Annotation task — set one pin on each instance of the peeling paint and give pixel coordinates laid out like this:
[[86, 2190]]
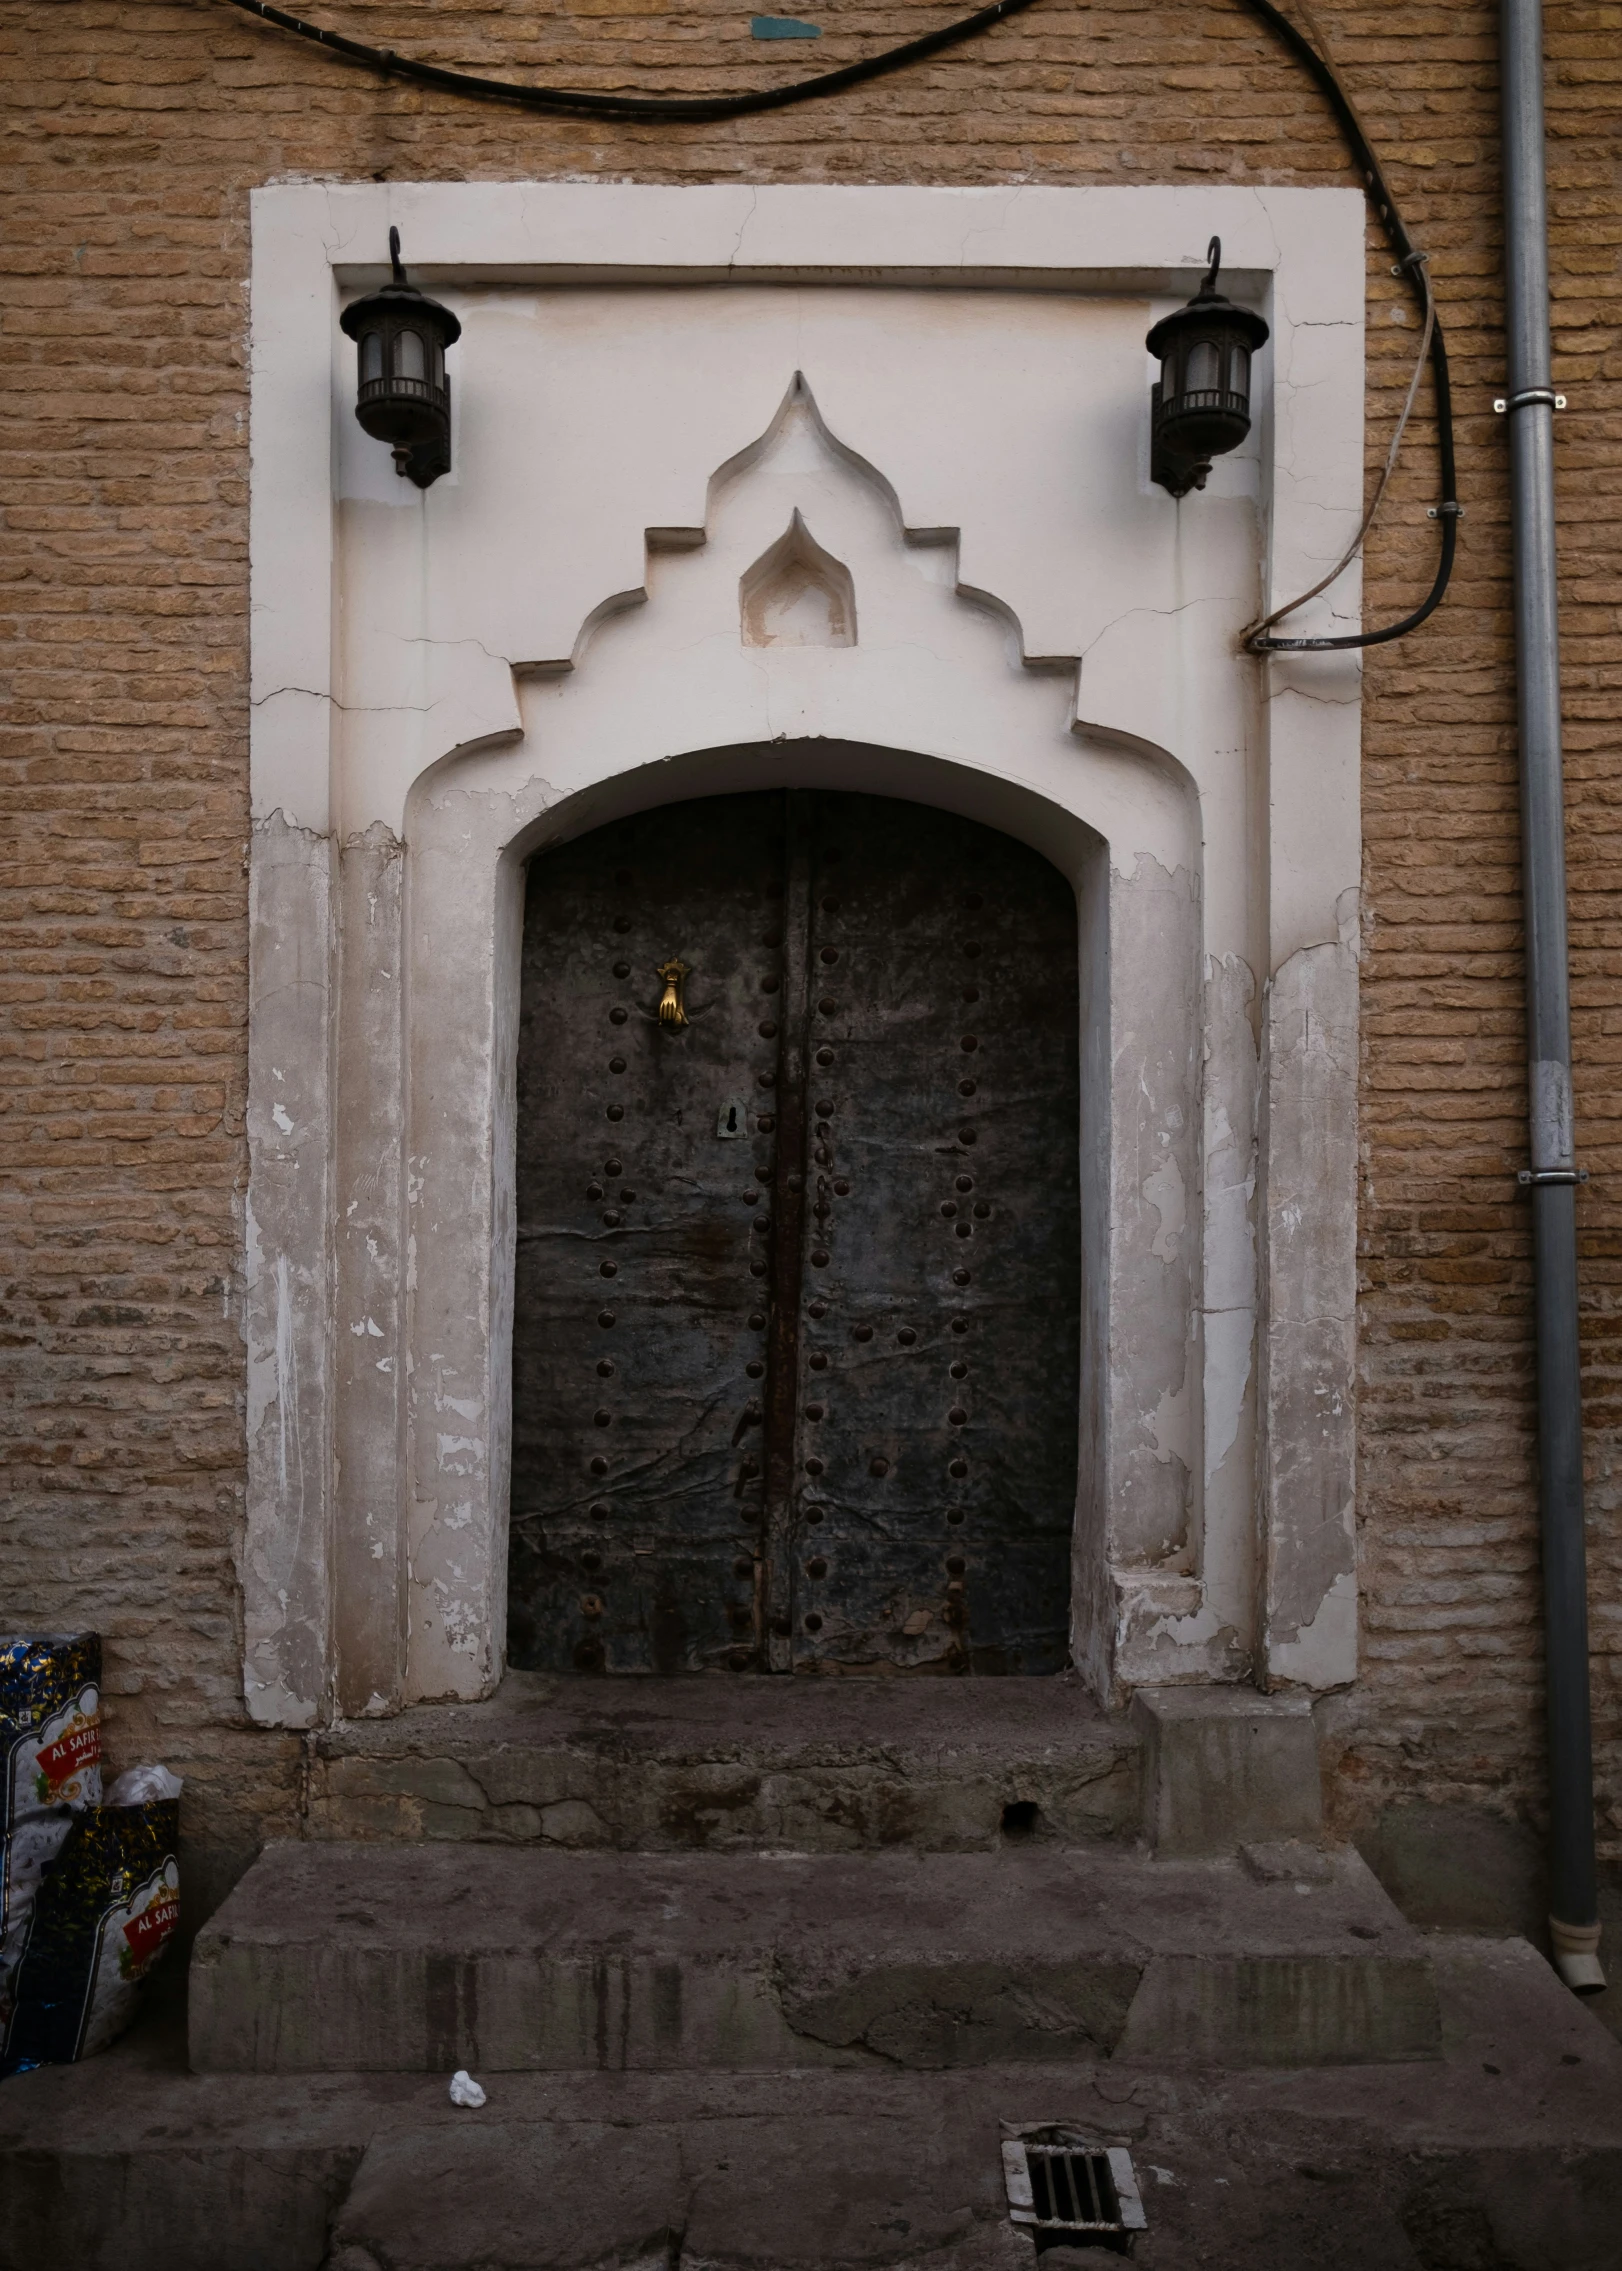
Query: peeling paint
[[288, 1439], [286, 1280], [1328, 1643], [1165, 1192], [1168, 1424], [1230, 1341], [1309, 1465]]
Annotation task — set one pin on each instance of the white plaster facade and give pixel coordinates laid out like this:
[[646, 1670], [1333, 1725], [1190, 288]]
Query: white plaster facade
[[949, 388]]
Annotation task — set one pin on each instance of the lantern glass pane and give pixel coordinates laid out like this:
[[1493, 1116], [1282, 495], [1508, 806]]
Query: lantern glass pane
[[1238, 367], [408, 357], [436, 357], [371, 357], [1204, 372]]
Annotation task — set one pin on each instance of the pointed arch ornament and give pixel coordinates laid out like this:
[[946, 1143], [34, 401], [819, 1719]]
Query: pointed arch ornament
[[797, 595]]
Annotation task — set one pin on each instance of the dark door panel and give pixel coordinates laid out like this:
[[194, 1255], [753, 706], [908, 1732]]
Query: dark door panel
[[802, 1396], [936, 1490], [640, 1338]]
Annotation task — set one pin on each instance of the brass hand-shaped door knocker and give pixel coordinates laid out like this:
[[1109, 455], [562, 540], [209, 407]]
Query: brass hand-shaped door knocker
[[672, 1013]]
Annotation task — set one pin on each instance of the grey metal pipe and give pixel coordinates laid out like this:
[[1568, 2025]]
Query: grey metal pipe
[[1529, 405]]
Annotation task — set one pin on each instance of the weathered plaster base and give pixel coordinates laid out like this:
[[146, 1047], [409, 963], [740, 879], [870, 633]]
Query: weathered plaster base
[[287, 1299]]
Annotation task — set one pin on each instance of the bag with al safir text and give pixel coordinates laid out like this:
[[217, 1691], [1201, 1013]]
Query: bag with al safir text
[[50, 1769], [102, 1916]]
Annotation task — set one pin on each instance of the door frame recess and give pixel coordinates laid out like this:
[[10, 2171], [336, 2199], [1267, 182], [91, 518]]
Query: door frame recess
[[1039, 639]]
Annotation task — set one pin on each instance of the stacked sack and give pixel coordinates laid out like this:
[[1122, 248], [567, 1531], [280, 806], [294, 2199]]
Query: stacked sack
[[89, 1893], [50, 1752]]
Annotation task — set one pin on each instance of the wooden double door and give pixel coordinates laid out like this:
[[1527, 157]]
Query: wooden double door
[[798, 1278]]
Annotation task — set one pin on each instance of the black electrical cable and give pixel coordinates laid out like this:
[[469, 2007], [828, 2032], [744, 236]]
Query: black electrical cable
[[570, 102], [1448, 511], [697, 109]]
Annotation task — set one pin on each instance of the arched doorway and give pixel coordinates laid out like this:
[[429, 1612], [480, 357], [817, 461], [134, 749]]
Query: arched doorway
[[796, 1336]]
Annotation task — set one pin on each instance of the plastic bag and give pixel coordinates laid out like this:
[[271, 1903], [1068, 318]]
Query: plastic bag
[[102, 1918], [141, 1785], [50, 1767]]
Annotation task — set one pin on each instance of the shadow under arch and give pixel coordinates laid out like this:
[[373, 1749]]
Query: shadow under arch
[[1062, 837]]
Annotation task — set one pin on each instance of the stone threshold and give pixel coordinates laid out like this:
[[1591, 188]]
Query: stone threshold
[[736, 1764]]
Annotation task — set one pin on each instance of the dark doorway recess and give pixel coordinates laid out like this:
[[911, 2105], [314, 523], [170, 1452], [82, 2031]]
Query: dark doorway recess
[[796, 1338]]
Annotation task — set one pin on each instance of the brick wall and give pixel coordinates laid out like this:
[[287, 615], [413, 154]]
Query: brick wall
[[134, 130]]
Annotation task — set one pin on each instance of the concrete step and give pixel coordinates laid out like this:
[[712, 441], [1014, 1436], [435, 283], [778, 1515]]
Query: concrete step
[[809, 1765], [379, 1958], [1507, 2153]]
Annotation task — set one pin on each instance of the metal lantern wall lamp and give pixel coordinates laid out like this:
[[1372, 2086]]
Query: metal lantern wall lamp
[[404, 397], [1201, 400]]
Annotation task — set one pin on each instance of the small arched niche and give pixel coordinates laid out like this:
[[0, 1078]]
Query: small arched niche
[[797, 595]]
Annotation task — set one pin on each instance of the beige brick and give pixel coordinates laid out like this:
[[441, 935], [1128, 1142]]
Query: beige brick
[[130, 136]]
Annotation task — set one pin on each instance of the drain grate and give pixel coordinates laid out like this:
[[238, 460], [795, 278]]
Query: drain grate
[[1062, 2189]]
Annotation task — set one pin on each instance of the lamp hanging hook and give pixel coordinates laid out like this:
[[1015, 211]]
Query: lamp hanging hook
[[1200, 404], [404, 394]]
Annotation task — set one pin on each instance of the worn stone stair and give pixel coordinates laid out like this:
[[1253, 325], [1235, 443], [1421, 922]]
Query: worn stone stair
[[333, 1957], [1506, 2153], [753, 1972]]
